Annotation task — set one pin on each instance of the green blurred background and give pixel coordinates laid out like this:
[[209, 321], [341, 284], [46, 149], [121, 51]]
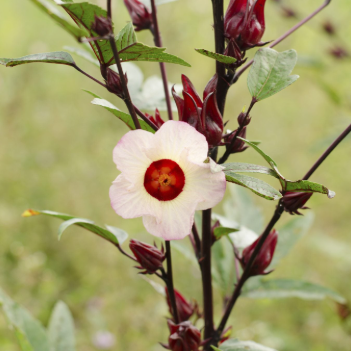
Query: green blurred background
[[56, 152]]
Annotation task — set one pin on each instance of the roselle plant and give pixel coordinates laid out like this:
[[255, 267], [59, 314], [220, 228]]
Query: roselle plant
[[172, 169]]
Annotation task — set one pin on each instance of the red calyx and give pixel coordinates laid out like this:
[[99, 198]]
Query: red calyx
[[239, 145], [157, 120], [294, 201], [140, 15], [149, 257], [184, 308], [183, 337], [203, 116], [244, 22], [102, 26], [264, 257], [113, 83]]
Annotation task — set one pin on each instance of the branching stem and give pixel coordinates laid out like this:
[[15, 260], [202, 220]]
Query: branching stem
[[238, 131]]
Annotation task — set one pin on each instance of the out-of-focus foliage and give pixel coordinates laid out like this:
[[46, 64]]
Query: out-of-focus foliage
[[56, 153]]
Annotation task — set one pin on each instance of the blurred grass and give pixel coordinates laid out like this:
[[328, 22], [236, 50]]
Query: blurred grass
[[56, 154]]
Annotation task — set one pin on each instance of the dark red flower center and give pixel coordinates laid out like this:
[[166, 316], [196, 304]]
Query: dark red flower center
[[164, 180]]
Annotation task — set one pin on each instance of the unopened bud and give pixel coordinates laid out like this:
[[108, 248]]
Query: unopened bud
[[264, 257], [339, 52], [140, 15], [329, 28], [211, 86], [102, 26], [288, 12], [244, 22], [294, 201], [149, 257], [244, 120], [114, 84], [239, 145], [183, 337], [185, 308]]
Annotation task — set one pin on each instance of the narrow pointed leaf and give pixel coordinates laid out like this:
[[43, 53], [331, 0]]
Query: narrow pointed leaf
[[124, 117], [237, 345], [218, 57], [238, 167], [57, 16], [130, 50], [270, 72], [257, 186], [80, 222], [59, 57], [223, 231], [61, 329], [30, 333], [285, 288], [288, 185]]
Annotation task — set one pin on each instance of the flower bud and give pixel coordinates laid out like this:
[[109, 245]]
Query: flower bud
[[244, 23], [157, 120], [113, 83], [102, 26], [339, 52], [183, 337], [293, 201], [140, 15], [149, 257], [184, 308], [243, 120], [329, 28], [203, 116], [239, 145], [264, 257]]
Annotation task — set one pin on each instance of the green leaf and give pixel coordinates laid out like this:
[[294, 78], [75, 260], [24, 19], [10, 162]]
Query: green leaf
[[80, 222], [289, 234], [286, 288], [236, 345], [58, 57], [238, 167], [223, 231], [61, 329], [288, 185], [124, 117], [258, 186], [30, 333], [306, 186], [218, 57], [223, 266], [56, 15], [141, 52], [130, 50], [270, 72]]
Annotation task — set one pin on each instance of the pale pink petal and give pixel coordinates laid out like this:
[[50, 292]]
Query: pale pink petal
[[131, 201], [173, 138], [176, 220], [129, 154], [206, 183]]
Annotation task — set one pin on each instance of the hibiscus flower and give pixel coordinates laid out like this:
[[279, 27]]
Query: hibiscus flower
[[165, 179]]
